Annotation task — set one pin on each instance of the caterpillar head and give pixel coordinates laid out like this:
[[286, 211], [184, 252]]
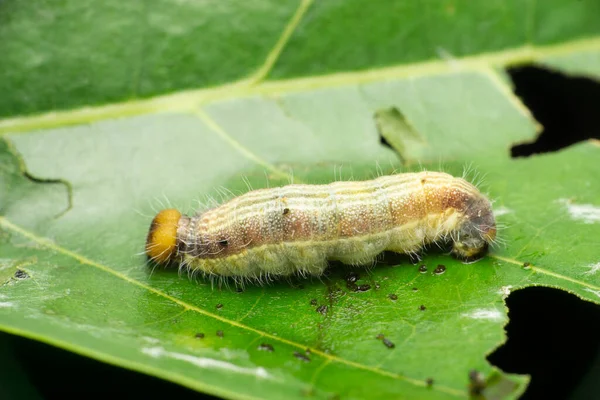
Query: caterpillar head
[[477, 231], [161, 243]]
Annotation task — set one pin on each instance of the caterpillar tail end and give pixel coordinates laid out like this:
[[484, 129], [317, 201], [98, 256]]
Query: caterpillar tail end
[[161, 243]]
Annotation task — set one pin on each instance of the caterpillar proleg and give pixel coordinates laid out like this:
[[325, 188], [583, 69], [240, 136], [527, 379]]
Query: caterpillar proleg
[[297, 228]]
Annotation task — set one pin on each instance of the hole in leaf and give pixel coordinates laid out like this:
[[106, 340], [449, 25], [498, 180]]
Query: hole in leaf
[[396, 132], [555, 337], [384, 142], [567, 107]]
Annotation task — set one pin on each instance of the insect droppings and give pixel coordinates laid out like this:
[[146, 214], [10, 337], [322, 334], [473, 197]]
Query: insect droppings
[[429, 382], [352, 277], [301, 356], [440, 269], [476, 382], [219, 306], [423, 268], [527, 265], [265, 347], [363, 288], [322, 309], [199, 335], [20, 274], [255, 236], [393, 296], [422, 307], [313, 302], [220, 333], [388, 343]]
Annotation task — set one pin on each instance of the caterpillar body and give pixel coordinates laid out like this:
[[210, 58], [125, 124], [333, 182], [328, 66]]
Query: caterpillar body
[[297, 228]]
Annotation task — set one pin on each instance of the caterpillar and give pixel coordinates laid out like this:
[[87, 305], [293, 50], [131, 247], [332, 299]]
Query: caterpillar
[[298, 228]]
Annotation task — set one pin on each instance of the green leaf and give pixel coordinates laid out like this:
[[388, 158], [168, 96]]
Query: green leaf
[[282, 89]]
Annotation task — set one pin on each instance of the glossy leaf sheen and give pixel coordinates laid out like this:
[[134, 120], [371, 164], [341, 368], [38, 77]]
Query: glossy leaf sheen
[[76, 199]]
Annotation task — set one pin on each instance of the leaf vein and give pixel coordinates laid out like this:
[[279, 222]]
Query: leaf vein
[[276, 51], [211, 123], [546, 272]]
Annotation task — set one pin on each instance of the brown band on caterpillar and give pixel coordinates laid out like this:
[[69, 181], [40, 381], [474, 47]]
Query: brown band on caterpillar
[[298, 228]]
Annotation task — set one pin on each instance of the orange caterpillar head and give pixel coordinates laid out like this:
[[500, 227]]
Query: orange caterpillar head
[[161, 243]]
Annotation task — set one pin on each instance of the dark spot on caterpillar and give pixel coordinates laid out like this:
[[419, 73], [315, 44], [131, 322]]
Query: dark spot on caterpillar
[[239, 290], [301, 356], [219, 306], [322, 309], [379, 337], [220, 333], [440, 269], [415, 289], [313, 302], [363, 288], [352, 277], [199, 335], [422, 307], [266, 347], [393, 297], [223, 242], [423, 268], [20, 274], [429, 382], [527, 265], [286, 211], [477, 383]]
